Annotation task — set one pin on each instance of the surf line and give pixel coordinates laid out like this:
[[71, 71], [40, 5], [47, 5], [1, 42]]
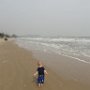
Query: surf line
[[81, 60]]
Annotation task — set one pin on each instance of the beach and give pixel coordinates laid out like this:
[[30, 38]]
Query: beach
[[17, 66]]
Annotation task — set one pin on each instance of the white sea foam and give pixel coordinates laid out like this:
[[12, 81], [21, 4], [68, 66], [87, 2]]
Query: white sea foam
[[58, 39], [81, 60]]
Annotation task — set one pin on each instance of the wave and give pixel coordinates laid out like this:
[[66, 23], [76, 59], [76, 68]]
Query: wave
[[84, 40]]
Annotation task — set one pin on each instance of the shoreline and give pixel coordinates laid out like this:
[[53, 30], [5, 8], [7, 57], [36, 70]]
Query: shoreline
[[18, 65], [66, 67], [81, 58]]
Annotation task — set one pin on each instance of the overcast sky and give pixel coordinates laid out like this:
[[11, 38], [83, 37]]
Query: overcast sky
[[45, 17]]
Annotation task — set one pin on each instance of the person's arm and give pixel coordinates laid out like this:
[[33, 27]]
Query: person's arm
[[45, 72], [35, 73]]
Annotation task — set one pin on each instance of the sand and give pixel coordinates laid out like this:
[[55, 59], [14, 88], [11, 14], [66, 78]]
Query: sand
[[17, 66], [1, 41]]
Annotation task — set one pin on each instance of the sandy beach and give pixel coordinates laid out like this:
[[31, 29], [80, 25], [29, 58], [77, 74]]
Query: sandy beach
[[17, 66]]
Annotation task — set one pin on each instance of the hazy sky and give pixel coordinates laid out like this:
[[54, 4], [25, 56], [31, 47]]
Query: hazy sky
[[45, 17]]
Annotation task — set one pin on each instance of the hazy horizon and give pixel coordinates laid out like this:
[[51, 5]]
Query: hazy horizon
[[45, 17]]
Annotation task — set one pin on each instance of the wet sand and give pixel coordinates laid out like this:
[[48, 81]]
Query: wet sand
[[69, 68], [17, 66]]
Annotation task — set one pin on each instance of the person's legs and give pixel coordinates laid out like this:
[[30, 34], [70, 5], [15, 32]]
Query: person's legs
[[40, 80], [39, 85]]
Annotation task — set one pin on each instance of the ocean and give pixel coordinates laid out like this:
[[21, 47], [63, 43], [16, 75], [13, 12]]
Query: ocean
[[73, 47]]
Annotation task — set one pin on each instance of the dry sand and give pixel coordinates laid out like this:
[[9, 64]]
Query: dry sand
[[1, 41], [17, 66]]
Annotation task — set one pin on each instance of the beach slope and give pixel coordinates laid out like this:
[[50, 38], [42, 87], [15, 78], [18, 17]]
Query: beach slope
[[17, 66]]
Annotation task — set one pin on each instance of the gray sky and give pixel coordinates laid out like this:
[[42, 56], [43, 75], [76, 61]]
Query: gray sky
[[45, 17]]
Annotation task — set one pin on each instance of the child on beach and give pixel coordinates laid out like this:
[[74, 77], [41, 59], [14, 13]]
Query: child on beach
[[41, 74]]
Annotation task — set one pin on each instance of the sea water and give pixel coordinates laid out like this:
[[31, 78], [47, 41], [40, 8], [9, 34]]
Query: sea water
[[73, 47]]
